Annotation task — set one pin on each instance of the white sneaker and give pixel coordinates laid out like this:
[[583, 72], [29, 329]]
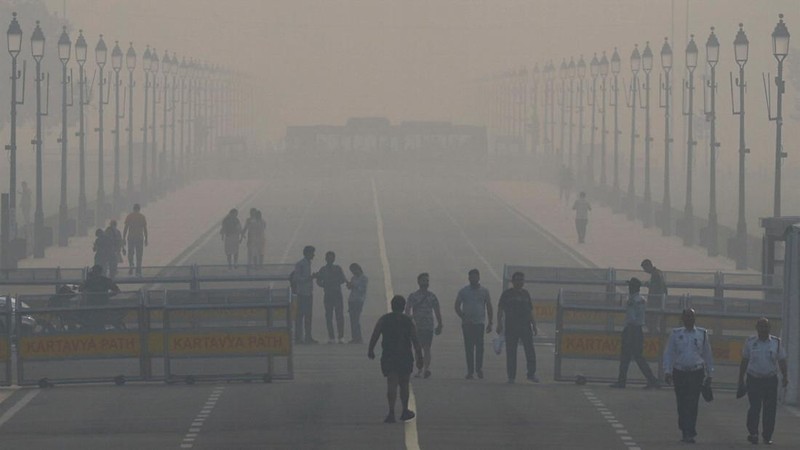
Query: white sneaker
[[533, 379]]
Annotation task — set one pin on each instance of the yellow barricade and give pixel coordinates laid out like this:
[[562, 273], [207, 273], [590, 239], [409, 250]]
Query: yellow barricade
[[119, 345], [603, 345], [229, 343], [4, 355]]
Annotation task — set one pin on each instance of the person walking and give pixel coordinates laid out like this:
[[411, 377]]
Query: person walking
[[397, 361], [688, 365], [422, 306], [116, 247], [331, 278], [355, 301], [254, 231], [632, 342], [473, 304], [302, 285], [656, 290], [102, 250], [231, 234], [515, 318], [582, 208], [135, 232], [763, 355]]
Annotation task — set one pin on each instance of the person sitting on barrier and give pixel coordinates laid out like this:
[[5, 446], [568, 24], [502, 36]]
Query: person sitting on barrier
[[632, 342], [97, 290], [397, 361]]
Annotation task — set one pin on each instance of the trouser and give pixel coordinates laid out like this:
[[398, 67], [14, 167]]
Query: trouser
[[135, 249], [334, 305], [113, 262], [526, 338], [762, 393], [580, 225], [473, 346], [632, 346], [302, 324], [354, 309], [687, 393]]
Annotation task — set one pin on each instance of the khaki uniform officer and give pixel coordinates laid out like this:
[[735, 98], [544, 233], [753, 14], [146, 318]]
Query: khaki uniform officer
[[762, 356]]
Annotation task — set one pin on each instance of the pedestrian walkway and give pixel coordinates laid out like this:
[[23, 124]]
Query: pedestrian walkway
[[611, 239], [174, 223]]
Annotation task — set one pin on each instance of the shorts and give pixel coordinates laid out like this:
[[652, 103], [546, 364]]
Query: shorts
[[425, 337], [397, 366]]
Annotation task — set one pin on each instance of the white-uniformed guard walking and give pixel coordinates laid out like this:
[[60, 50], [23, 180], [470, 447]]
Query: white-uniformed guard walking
[[762, 357], [688, 364]]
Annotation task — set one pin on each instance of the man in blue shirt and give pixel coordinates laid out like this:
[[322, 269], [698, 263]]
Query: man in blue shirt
[[472, 305], [632, 344]]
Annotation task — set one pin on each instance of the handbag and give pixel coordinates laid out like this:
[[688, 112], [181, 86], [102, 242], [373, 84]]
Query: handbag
[[706, 391], [498, 343]]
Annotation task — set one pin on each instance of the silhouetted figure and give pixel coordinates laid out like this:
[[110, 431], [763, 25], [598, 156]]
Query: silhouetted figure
[[473, 304], [331, 278], [397, 361], [633, 338], [102, 250], [231, 234], [135, 232], [515, 318], [422, 306], [116, 248], [582, 208], [98, 290], [255, 232], [355, 302], [302, 286]]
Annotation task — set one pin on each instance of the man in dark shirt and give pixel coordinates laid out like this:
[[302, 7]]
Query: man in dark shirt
[[331, 278], [656, 290], [97, 290], [516, 307], [397, 361]]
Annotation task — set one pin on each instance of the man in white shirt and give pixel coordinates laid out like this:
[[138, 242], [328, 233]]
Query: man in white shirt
[[762, 357], [688, 361], [582, 208]]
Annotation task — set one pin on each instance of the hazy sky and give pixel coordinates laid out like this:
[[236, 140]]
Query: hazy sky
[[321, 61]]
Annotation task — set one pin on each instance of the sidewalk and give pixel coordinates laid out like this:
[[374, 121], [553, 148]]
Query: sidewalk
[[611, 239], [173, 224]]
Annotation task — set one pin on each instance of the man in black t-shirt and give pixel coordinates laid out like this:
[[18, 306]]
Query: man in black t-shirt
[[516, 307], [397, 361]]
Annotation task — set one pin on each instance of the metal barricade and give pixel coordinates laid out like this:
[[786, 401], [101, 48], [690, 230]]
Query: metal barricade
[[79, 338], [588, 333], [234, 334]]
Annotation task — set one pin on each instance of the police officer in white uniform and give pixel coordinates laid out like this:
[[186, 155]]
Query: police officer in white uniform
[[688, 363], [762, 356]]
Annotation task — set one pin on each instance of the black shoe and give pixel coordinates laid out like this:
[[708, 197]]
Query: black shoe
[[469, 376], [427, 374], [479, 373], [389, 418], [407, 415], [311, 341], [687, 440], [617, 385], [752, 438]]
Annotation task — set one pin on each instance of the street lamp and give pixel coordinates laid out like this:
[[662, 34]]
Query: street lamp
[[100, 55], [154, 64], [535, 128], [549, 102], [37, 49], [182, 72], [166, 63], [116, 64], [130, 63], [562, 73], [174, 67], [604, 74], [688, 212], [647, 66], [147, 63], [636, 64], [81, 50], [712, 58], [581, 71], [780, 49], [14, 36], [615, 68], [741, 47], [666, 89], [64, 51], [594, 70], [571, 75]]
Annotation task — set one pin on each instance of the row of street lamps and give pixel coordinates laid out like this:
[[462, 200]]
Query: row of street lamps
[[204, 93], [503, 114]]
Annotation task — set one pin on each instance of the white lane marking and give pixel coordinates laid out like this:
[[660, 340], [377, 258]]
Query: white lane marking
[[616, 425], [197, 423], [18, 406], [411, 435]]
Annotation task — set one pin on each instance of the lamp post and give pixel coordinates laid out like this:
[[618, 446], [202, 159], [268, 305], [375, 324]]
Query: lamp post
[[615, 68], [741, 47], [594, 70], [571, 75], [100, 54], [147, 62], [636, 63], [14, 37], [712, 58], [116, 64], [163, 168], [64, 50], [562, 73], [535, 128], [548, 122], [81, 49], [688, 211], [182, 70], [37, 49], [130, 63], [780, 49], [581, 72], [666, 88], [155, 182], [604, 74], [647, 207], [174, 66]]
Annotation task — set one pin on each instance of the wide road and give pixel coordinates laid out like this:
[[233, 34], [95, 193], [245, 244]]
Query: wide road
[[396, 226]]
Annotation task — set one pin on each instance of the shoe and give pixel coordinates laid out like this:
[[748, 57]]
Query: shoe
[[311, 341], [479, 373], [617, 385], [341, 341], [331, 341], [687, 440], [389, 418], [354, 341], [533, 379], [407, 415], [653, 385], [752, 438], [418, 375], [299, 342], [427, 374], [130, 272], [469, 376], [510, 381], [768, 440]]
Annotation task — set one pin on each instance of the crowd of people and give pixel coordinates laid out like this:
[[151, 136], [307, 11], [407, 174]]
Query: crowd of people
[[110, 244]]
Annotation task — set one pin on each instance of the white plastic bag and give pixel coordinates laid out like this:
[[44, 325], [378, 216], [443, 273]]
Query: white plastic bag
[[498, 343]]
